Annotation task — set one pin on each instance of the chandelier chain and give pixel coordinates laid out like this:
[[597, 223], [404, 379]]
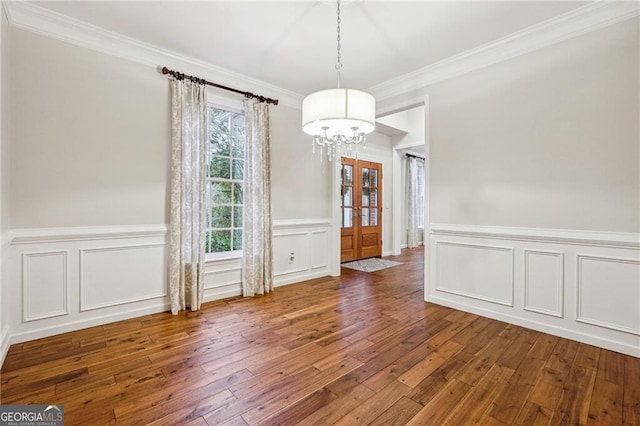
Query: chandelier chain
[[339, 46], [338, 119]]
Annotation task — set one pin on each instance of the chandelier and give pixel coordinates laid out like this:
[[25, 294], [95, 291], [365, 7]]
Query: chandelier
[[336, 117]]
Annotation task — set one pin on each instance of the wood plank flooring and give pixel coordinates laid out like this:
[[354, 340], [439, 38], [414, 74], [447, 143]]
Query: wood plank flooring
[[360, 349]]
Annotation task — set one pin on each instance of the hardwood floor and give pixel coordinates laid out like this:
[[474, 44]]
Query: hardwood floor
[[360, 349]]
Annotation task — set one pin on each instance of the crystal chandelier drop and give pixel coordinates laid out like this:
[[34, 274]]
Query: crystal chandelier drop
[[337, 117]]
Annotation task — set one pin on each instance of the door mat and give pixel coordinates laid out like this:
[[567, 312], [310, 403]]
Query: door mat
[[370, 265]]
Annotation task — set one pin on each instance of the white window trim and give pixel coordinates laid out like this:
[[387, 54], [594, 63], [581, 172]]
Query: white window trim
[[220, 102], [224, 255]]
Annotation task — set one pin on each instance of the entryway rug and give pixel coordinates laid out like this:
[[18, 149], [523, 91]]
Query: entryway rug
[[370, 265]]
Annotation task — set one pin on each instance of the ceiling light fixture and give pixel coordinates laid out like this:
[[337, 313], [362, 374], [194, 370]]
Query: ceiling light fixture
[[338, 116]]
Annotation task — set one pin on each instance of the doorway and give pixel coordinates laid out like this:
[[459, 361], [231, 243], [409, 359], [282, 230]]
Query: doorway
[[361, 210]]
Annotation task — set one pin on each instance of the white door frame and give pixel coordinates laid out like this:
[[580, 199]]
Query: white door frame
[[334, 259]]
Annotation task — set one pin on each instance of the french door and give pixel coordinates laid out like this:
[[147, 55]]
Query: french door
[[361, 205]]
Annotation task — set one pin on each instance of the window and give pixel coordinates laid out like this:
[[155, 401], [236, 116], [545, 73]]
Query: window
[[225, 180], [420, 200]]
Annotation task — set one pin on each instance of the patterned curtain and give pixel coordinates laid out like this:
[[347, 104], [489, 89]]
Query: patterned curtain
[[413, 233], [257, 257], [187, 215]]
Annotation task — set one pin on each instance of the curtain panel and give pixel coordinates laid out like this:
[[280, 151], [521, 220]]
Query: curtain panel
[[413, 233], [257, 256], [187, 199]]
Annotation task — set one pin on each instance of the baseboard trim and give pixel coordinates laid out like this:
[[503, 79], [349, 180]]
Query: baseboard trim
[[300, 277], [545, 328], [87, 323], [4, 343], [234, 292]]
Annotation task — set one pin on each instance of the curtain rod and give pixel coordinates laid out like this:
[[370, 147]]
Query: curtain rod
[[181, 76], [414, 156]]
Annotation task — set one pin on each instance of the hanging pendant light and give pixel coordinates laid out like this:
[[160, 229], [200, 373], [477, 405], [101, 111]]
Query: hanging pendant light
[[336, 117]]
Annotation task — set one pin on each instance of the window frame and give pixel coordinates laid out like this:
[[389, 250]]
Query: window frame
[[234, 106]]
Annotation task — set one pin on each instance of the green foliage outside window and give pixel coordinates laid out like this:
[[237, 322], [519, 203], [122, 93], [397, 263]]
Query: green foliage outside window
[[225, 181]]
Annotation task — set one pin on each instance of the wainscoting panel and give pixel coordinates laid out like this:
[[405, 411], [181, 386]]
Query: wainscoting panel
[[300, 250], [319, 249], [290, 257], [483, 264], [609, 293], [583, 286], [45, 283], [222, 278], [118, 275], [544, 282], [64, 279]]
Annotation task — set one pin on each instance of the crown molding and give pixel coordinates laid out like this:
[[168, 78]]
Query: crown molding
[[590, 17], [582, 20], [36, 19]]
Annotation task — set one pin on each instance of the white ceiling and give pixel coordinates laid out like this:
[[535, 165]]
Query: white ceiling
[[293, 44]]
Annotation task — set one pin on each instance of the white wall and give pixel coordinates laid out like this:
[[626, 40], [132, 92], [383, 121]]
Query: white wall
[[4, 180], [301, 184], [535, 189], [545, 140], [411, 121], [99, 153], [89, 141]]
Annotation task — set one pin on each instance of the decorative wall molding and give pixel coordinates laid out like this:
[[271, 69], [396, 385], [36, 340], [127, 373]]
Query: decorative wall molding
[[39, 20], [223, 276], [564, 236], [54, 235], [582, 20], [531, 286], [33, 293], [68, 269], [477, 248], [545, 327], [7, 237], [583, 286], [611, 296], [590, 17], [300, 223], [135, 267]]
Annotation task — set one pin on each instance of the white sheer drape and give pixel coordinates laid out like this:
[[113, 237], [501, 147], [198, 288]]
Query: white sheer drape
[[257, 257], [187, 202], [413, 233]]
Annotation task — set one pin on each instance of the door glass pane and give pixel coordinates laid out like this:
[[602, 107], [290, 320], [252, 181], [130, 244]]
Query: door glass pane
[[373, 197], [365, 217], [347, 218], [374, 178], [373, 217], [347, 174], [365, 176], [365, 197], [347, 197]]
